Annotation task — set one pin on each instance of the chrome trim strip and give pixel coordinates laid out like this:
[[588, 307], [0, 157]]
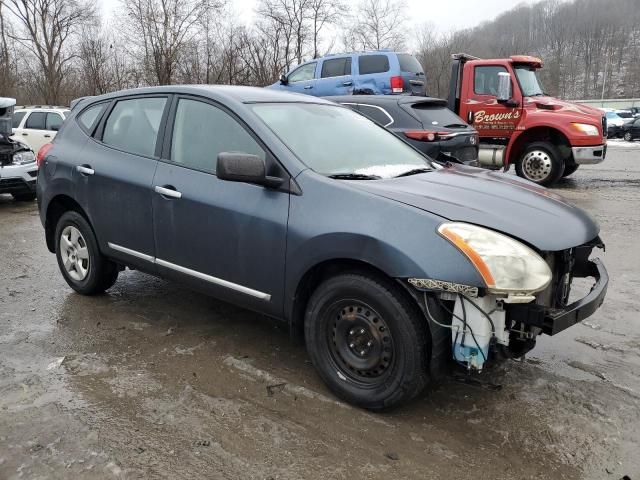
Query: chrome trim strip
[[372, 106], [133, 253], [193, 273], [217, 281]]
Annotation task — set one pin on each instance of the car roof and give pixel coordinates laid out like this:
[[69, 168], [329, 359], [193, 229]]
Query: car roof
[[387, 99], [233, 92]]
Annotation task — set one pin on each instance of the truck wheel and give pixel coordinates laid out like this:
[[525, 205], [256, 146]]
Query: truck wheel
[[540, 163], [628, 137], [82, 265], [569, 169], [24, 197], [367, 341]]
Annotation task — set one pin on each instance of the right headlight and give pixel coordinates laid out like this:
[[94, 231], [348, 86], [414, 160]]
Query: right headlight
[[587, 129], [22, 158], [506, 265]]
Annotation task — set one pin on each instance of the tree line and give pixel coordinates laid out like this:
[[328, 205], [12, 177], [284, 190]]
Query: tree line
[[52, 51]]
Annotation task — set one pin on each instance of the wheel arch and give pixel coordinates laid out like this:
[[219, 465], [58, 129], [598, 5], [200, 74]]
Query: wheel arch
[[541, 133], [58, 206], [319, 272]]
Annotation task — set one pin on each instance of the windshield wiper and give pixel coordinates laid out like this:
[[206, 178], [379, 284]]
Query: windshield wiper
[[415, 171], [354, 176]]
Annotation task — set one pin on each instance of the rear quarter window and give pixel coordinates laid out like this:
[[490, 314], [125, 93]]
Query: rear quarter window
[[409, 63], [373, 64]]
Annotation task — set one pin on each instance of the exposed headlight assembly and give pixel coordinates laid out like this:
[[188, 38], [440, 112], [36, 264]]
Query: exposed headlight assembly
[[586, 128], [22, 158], [506, 265]]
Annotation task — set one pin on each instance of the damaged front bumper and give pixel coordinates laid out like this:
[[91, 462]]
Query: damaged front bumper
[[555, 320]]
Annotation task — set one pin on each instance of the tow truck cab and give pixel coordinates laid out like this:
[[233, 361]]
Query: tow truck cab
[[546, 138]]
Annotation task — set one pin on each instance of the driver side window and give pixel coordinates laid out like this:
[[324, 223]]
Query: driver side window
[[303, 73], [485, 80]]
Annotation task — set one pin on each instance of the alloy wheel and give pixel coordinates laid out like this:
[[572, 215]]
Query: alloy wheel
[[74, 253]]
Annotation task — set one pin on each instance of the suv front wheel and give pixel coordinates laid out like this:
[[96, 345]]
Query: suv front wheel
[[367, 341], [82, 265]]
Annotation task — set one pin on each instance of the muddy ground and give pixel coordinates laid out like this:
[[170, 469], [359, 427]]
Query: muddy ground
[[154, 381]]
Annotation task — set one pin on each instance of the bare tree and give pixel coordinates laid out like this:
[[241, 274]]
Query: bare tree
[[322, 13], [161, 29], [379, 24], [45, 28]]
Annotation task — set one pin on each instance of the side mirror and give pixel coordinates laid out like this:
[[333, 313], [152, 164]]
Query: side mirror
[[283, 79], [504, 87], [246, 168]]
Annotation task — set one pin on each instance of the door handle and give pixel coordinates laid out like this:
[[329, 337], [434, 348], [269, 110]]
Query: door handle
[[308, 87], [347, 84], [47, 136], [168, 191], [25, 134], [85, 170]]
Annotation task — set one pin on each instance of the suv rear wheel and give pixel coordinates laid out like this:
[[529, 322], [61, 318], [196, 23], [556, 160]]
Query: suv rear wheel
[[82, 265], [367, 341], [540, 163]]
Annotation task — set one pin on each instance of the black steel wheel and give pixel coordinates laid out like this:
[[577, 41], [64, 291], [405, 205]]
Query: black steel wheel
[[368, 340]]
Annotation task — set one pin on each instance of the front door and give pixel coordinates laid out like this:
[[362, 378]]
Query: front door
[[490, 118], [303, 79], [228, 238]]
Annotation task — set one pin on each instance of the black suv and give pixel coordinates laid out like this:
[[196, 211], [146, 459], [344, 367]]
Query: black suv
[[424, 122], [387, 263]]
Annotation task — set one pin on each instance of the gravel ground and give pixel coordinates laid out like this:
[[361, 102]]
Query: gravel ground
[[154, 381]]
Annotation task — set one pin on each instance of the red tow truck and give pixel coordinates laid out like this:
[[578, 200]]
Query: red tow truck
[[546, 138]]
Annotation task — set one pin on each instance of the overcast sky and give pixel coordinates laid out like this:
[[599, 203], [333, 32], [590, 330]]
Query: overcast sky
[[444, 14]]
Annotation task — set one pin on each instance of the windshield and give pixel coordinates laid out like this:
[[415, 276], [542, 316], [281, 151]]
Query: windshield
[[612, 115], [333, 140], [529, 81]]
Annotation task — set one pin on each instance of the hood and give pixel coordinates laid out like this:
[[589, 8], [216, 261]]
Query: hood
[[557, 105], [494, 200]]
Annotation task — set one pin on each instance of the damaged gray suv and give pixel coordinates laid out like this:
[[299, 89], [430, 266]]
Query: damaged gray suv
[[389, 264]]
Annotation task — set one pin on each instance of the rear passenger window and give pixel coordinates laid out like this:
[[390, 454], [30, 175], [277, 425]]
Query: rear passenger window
[[36, 120], [54, 121], [373, 64], [89, 117], [17, 118], [133, 125], [336, 67], [377, 114], [201, 131]]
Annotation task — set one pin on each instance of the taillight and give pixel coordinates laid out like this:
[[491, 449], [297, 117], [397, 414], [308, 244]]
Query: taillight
[[42, 153], [397, 84], [422, 135]]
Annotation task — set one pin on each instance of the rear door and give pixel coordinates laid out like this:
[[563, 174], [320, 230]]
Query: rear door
[[228, 238], [118, 169], [335, 77], [33, 130], [373, 75], [412, 73]]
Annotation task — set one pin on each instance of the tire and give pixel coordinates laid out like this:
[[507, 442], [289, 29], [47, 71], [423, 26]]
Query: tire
[[569, 169], [367, 341], [24, 197], [628, 137], [540, 163], [88, 273]]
